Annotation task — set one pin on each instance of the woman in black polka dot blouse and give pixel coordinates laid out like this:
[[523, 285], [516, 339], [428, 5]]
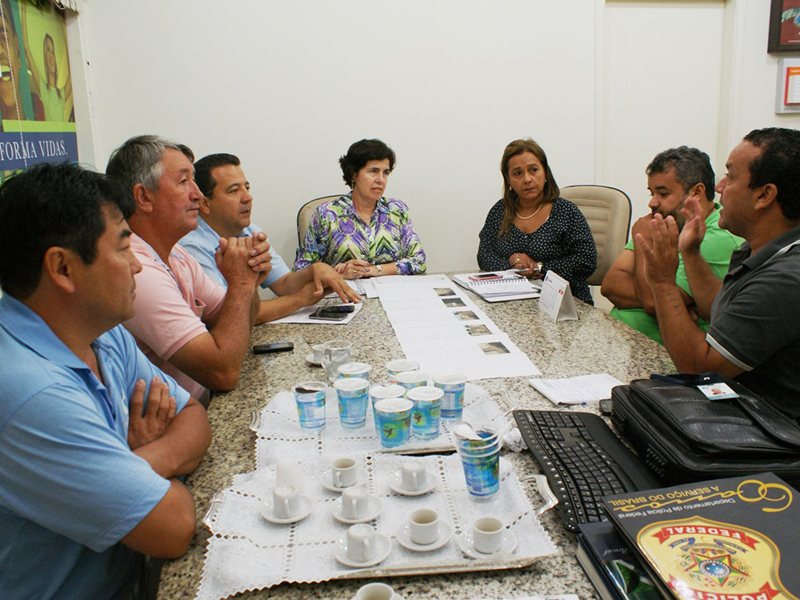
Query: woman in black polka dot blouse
[[532, 228]]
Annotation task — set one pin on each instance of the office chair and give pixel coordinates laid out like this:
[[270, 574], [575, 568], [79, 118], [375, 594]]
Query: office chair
[[608, 212], [304, 215]]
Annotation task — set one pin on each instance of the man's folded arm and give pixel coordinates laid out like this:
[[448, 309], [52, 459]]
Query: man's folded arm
[[167, 530], [182, 446]]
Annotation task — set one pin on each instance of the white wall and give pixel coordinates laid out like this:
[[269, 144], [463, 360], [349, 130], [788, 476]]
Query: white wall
[[661, 86], [288, 86]]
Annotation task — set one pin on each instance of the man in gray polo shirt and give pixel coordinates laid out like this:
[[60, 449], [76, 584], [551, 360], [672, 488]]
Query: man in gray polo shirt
[[755, 312]]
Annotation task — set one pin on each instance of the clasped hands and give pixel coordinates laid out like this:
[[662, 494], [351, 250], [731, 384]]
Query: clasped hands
[[244, 258]]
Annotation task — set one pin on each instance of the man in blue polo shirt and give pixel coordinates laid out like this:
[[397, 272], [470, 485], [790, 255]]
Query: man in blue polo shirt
[[754, 332], [225, 212], [92, 435]]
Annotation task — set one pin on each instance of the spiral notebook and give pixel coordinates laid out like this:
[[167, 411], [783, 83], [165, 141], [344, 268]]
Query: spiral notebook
[[499, 286]]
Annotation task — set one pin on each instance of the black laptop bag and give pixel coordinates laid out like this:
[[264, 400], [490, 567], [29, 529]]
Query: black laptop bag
[[685, 437]]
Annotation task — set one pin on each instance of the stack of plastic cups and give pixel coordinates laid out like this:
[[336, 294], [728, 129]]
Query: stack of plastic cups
[[480, 456]]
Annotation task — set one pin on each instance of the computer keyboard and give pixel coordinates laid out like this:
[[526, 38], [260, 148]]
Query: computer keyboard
[[583, 461]]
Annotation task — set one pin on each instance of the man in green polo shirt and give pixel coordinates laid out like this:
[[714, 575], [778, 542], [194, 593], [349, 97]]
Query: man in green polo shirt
[[673, 176]]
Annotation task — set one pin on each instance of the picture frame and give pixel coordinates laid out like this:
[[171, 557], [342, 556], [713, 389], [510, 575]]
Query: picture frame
[[784, 26]]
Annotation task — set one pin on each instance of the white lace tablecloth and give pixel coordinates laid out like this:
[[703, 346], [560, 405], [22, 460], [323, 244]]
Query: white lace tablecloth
[[279, 433], [246, 552]]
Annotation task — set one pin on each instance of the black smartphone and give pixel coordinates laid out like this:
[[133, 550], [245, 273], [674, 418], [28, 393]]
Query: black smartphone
[[274, 347], [323, 314], [338, 308]]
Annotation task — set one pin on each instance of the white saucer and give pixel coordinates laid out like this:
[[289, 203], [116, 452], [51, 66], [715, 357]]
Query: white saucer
[[384, 547], [397, 486], [327, 481], [464, 541], [395, 596], [310, 359], [375, 508], [403, 537], [305, 510]]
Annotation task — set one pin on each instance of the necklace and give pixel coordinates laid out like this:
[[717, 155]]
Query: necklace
[[541, 204]]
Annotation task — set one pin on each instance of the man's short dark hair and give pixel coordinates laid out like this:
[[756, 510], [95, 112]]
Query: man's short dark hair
[[204, 166], [779, 163], [360, 153], [692, 166], [138, 160], [52, 205]]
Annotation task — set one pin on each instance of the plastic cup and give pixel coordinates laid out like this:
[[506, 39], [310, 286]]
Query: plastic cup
[[310, 399], [384, 392], [427, 411], [334, 355], [355, 369], [480, 459], [400, 365], [412, 379], [394, 421], [352, 393], [453, 387]]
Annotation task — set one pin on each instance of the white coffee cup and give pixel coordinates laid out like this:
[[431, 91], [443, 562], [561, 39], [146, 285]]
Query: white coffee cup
[[285, 501], [361, 543], [318, 349], [375, 591], [343, 472], [413, 475], [487, 534], [355, 503], [424, 526]]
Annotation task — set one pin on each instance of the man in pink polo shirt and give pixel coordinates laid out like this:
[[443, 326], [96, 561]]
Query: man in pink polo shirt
[[185, 323]]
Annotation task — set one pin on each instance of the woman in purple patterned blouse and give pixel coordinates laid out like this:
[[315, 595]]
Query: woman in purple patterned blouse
[[363, 234]]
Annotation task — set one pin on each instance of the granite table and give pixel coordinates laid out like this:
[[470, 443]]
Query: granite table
[[594, 343]]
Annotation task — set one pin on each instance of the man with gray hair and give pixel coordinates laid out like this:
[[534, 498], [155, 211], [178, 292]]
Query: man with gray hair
[[672, 177], [185, 323]]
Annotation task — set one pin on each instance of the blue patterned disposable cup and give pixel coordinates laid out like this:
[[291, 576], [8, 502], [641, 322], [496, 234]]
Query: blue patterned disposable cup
[[401, 365], [384, 392], [352, 393], [427, 411], [393, 421], [310, 399], [453, 387], [481, 470], [412, 379], [355, 369]]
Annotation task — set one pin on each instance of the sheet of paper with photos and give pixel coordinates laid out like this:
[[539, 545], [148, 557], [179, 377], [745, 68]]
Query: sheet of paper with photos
[[438, 325]]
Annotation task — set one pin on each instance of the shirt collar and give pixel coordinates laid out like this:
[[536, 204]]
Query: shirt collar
[[347, 200], [777, 246], [30, 330]]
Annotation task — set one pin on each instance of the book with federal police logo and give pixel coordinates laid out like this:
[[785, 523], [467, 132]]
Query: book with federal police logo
[[726, 539]]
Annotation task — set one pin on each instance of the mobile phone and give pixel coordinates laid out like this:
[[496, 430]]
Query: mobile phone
[[274, 347], [480, 276], [338, 308], [324, 314]]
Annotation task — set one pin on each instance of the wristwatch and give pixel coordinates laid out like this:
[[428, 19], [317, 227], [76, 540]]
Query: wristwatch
[[380, 269]]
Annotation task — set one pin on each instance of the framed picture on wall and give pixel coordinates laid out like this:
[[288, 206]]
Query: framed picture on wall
[[784, 26]]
